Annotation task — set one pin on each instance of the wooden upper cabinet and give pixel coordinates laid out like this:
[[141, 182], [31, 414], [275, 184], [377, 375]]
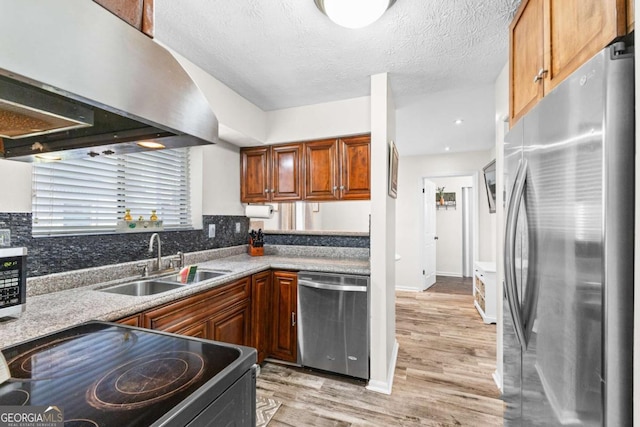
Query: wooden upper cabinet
[[550, 39], [577, 30], [338, 169], [271, 174], [255, 173], [355, 162], [286, 172], [526, 53], [137, 13], [321, 170], [631, 15]]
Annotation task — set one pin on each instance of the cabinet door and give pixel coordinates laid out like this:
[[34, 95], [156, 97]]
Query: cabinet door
[[254, 174], [285, 311], [286, 172], [355, 164], [526, 58], [261, 290], [321, 170], [630, 15], [233, 325], [200, 330], [576, 31], [135, 320]]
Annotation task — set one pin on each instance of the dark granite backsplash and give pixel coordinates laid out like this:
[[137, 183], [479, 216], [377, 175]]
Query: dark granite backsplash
[[317, 240], [49, 255]]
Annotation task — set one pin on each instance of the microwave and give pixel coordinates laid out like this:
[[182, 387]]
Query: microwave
[[13, 281]]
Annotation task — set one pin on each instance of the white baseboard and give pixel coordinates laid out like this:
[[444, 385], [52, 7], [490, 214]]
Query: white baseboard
[[386, 386], [498, 380], [448, 274]]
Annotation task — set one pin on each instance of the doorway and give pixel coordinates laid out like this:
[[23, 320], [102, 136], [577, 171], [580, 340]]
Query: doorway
[[450, 237]]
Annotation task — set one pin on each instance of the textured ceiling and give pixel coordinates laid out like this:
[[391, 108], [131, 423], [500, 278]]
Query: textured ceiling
[[286, 53]]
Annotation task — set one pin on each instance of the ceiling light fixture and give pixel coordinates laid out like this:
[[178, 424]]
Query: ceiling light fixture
[[150, 144], [354, 13], [458, 121], [49, 157], [447, 148]]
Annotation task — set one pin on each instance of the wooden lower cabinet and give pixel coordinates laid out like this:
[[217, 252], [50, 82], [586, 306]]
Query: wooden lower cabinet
[[259, 311], [233, 325], [261, 291], [222, 314], [200, 330], [284, 339], [135, 320]]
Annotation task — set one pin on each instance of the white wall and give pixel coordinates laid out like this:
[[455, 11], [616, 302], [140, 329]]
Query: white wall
[[345, 216], [412, 170], [220, 179], [449, 227], [326, 120], [16, 184], [240, 122], [383, 240], [502, 111]]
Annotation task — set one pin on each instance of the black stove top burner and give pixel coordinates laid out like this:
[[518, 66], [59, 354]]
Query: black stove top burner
[[146, 380], [69, 355], [80, 423], [12, 395], [103, 374]]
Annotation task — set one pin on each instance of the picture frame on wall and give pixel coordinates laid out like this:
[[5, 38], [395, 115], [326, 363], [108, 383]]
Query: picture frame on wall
[[393, 170]]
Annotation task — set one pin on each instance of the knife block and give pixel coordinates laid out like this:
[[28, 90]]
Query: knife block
[[255, 250]]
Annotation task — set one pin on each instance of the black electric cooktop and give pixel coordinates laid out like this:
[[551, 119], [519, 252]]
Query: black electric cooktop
[[103, 374]]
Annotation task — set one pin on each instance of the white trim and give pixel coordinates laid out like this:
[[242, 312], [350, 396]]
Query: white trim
[[448, 274], [386, 386], [498, 380]]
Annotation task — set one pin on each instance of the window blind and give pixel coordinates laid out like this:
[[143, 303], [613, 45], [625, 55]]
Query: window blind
[[90, 195]]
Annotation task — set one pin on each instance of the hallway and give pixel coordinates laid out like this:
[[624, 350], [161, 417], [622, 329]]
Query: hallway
[[443, 375]]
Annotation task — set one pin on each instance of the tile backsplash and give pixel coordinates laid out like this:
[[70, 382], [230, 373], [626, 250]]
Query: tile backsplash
[[48, 255]]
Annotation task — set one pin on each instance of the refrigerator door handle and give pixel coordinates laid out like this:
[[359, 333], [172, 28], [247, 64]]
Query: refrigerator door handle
[[511, 291]]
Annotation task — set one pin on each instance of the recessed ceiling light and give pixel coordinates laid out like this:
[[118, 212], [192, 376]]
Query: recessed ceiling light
[[458, 121], [447, 148], [150, 144]]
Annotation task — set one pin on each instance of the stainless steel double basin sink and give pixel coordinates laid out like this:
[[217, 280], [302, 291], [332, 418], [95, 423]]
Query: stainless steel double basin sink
[[158, 285]]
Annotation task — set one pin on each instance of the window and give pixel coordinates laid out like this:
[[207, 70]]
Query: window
[[90, 195]]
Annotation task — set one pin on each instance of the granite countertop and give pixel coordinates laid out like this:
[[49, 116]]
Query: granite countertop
[[53, 311]]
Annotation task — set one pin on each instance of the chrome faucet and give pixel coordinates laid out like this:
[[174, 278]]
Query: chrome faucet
[[159, 262]]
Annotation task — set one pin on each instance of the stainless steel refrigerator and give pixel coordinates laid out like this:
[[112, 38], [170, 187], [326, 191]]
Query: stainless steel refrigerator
[[568, 310]]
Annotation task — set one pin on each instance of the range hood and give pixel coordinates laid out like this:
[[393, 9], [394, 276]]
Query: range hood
[[76, 81]]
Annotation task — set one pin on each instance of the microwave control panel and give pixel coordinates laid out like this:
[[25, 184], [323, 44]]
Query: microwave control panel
[[11, 281]]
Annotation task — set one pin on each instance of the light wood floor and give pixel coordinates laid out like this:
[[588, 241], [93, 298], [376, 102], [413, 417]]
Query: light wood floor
[[442, 378]]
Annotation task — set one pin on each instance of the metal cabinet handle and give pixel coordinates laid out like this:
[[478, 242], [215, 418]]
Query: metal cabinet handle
[[293, 319], [511, 291], [342, 187], [266, 190], [335, 187], [540, 76], [273, 191]]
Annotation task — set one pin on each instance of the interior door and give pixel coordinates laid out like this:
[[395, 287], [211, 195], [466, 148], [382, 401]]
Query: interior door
[[429, 243]]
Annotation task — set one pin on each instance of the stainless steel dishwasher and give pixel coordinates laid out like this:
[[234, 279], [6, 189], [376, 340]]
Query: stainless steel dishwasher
[[333, 323]]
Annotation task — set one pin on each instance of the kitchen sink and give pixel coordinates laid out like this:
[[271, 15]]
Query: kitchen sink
[[209, 274], [143, 288], [200, 275]]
